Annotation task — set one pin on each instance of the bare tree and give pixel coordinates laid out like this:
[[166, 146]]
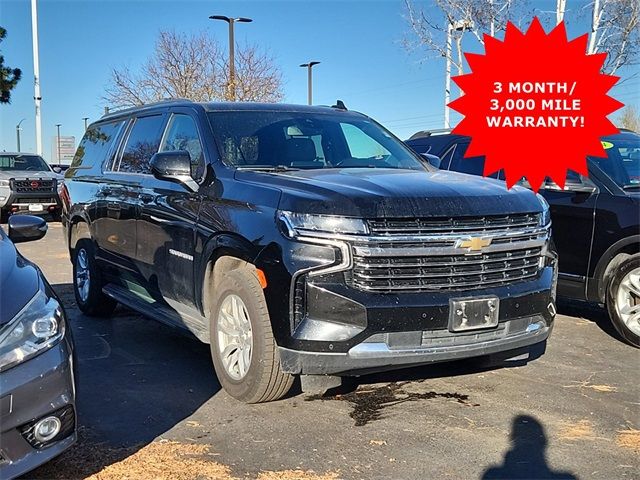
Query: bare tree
[[194, 67], [629, 118], [615, 29]]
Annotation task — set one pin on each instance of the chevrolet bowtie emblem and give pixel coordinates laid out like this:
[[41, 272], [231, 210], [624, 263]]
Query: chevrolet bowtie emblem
[[474, 243]]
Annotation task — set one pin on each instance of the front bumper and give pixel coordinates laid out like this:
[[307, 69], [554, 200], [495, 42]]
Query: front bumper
[[350, 332], [41, 386], [15, 202]]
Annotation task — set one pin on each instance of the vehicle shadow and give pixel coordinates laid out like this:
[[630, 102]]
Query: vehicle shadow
[[526, 457], [592, 312], [135, 378]]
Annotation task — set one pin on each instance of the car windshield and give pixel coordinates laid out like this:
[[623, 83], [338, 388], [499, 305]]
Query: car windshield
[[300, 140], [622, 163], [13, 163]]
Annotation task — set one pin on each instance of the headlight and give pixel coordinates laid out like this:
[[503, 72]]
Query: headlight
[[545, 217], [302, 223], [37, 327], [4, 183], [60, 184]]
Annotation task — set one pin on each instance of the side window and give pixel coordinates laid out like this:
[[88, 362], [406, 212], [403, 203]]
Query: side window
[[471, 165], [182, 134], [142, 143], [96, 145]]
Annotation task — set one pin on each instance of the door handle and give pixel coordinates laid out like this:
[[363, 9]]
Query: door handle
[[146, 198]]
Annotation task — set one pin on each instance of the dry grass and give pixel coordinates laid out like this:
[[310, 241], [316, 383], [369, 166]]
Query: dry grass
[[582, 430], [629, 439], [163, 460]]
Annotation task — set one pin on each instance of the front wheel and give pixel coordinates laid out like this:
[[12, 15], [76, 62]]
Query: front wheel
[[87, 282], [623, 299], [244, 352]]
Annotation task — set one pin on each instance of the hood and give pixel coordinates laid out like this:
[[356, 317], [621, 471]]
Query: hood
[[22, 174], [19, 279], [375, 193]]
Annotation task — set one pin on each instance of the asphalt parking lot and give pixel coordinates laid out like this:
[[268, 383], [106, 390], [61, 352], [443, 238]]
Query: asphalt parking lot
[[150, 406]]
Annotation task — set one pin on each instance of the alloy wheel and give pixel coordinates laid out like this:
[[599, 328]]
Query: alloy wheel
[[83, 276], [234, 336], [627, 300]]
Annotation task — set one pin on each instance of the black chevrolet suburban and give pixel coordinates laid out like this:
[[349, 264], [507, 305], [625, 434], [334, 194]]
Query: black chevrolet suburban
[[303, 241], [596, 222]]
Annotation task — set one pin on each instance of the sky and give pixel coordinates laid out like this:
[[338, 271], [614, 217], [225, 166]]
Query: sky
[[359, 44]]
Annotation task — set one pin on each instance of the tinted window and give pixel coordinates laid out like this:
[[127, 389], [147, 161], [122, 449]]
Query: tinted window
[[622, 163], [96, 144], [142, 143], [471, 165], [23, 162], [182, 134], [307, 140]]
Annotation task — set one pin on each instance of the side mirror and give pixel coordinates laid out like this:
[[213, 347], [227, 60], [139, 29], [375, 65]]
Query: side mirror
[[56, 169], [26, 228], [173, 167], [433, 160]]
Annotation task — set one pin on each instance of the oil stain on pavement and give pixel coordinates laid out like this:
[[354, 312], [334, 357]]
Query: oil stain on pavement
[[368, 405]]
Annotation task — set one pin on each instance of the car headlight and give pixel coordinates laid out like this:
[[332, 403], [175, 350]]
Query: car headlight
[[302, 223], [545, 217], [36, 328], [5, 183]]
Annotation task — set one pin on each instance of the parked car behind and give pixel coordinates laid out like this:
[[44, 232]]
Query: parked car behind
[[596, 222], [28, 185], [303, 241], [37, 391]]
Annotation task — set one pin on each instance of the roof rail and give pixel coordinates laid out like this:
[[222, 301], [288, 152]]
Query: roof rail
[[120, 110], [628, 130], [428, 133]]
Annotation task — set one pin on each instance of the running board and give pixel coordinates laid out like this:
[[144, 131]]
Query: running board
[[174, 316]]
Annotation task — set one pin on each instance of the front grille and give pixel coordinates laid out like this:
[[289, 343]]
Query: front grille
[[426, 258], [431, 226], [33, 186]]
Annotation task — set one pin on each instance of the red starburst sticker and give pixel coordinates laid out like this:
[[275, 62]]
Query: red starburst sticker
[[535, 105]]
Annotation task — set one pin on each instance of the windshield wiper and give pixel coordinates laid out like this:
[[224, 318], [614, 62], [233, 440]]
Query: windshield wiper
[[267, 168], [631, 186]]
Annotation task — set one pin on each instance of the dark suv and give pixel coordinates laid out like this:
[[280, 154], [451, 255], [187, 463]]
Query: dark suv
[[303, 240], [596, 222]]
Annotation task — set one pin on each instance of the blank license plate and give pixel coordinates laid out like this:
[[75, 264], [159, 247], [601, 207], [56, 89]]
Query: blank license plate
[[473, 313], [36, 207]]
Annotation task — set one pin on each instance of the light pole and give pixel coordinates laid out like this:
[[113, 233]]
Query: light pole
[[85, 122], [36, 75], [58, 125], [309, 67], [232, 45], [18, 133], [458, 26]]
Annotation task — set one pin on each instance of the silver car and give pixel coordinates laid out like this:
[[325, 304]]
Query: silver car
[[37, 390], [28, 184]]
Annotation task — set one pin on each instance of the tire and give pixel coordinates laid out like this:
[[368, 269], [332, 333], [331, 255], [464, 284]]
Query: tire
[[623, 291], [263, 379], [90, 300]]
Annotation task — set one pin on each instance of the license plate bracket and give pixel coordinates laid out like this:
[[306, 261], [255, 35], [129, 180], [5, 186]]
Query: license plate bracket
[[473, 313]]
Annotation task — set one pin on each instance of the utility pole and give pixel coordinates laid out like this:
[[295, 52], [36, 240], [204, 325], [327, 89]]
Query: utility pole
[[561, 6], [232, 47], [18, 133], [36, 74], [58, 138], [309, 67], [85, 123], [458, 26]]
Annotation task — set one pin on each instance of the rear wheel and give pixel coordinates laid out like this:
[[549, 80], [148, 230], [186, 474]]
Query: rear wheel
[[243, 349], [623, 299], [87, 282]]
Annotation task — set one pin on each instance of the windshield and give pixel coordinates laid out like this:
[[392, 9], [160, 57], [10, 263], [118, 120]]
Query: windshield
[[300, 140], [12, 163], [622, 163]]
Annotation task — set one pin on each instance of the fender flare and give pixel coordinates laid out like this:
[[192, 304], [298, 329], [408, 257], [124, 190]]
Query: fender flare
[[219, 245], [601, 271]]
